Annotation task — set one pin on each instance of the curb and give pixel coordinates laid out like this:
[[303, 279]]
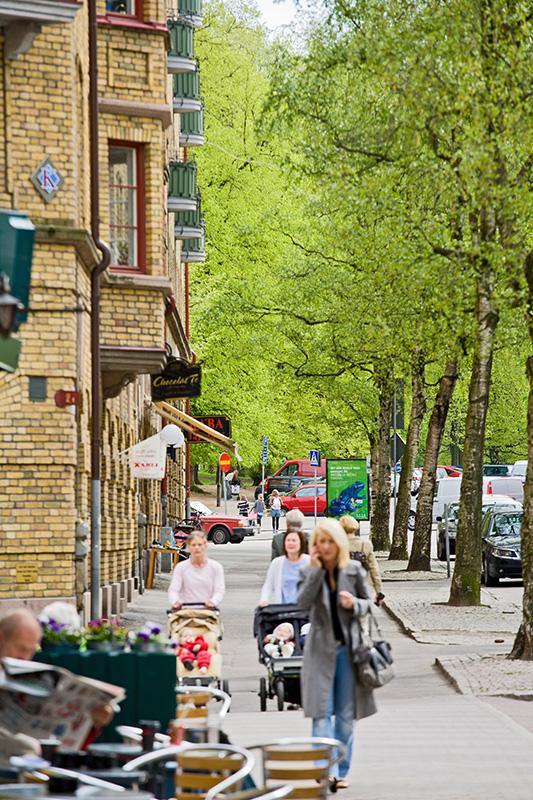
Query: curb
[[405, 624], [446, 666]]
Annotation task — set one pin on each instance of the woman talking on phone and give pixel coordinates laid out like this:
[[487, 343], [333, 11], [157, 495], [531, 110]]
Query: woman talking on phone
[[334, 589]]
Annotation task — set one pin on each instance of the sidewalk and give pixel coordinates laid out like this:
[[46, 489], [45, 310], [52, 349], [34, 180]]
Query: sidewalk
[[421, 610]]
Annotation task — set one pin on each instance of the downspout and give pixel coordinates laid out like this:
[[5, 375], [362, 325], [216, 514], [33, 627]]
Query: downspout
[[96, 388]]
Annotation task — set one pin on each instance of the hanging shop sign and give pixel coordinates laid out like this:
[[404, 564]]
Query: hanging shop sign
[[347, 488], [178, 379], [216, 423], [148, 458]]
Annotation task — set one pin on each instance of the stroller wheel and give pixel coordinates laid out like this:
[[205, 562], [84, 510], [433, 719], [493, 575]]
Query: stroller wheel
[[280, 694], [262, 694]]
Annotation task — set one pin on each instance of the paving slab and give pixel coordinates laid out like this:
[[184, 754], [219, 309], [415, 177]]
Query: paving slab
[[493, 675]]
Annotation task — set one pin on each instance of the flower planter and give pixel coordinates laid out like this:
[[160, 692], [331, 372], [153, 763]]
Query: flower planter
[[105, 646], [150, 647]]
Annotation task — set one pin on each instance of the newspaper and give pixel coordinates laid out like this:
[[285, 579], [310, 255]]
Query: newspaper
[[45, 702]]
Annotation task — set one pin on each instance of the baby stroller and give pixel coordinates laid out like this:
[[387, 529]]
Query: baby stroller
[[194, 620], [283, 672]]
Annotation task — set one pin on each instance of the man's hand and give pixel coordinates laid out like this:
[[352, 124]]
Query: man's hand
[[176, 606], [263, 603], [102, 715]]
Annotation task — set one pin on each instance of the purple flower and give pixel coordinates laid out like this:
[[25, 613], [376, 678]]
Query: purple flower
[[155, 630], [144, 636]]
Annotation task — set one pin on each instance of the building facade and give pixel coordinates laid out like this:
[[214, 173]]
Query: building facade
[[149, 116]]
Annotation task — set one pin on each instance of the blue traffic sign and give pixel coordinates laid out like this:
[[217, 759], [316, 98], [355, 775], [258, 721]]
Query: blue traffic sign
[[265, 450], [314, 458]]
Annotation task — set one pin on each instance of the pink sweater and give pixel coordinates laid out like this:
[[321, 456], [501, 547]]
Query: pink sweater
[[192, 584]]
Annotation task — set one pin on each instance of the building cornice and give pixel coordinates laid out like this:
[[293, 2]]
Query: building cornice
[[161, 111], [132, 280], [63, 233], [44, 11]]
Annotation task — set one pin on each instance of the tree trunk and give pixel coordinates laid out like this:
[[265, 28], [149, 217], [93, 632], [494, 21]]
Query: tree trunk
[[418, 409], [466, 581], [523, 644], [381, 471], [421, 550]]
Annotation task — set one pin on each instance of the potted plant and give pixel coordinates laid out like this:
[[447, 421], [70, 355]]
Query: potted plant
[[150, 639], [59, 636], [106, 635]]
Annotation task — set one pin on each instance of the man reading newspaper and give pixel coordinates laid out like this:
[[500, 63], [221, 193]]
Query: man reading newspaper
[[38, 701]]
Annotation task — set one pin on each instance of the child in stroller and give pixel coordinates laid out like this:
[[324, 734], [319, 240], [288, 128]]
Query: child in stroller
[[281, 654]]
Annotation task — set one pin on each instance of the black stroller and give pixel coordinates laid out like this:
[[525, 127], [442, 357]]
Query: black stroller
[[283, 673]]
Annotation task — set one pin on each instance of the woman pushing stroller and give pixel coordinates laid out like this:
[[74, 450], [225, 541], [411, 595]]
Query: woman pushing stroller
[[198, 580]]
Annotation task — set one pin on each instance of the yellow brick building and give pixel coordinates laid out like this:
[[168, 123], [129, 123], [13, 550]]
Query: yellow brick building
[[150, 217]]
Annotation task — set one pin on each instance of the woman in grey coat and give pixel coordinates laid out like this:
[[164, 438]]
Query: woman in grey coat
[[335, 590]]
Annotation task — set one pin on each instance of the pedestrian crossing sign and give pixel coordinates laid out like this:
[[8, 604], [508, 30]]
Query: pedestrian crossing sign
[[314, 458]]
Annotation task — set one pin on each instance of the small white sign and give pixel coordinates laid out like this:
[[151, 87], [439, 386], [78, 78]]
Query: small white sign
[[148, 458], [47, 180]]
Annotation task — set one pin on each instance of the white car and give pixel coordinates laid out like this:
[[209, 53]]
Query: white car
[[519, 470]]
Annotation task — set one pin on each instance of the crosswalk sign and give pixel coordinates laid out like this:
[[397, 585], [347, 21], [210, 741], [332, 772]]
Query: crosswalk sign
[[314, 458]]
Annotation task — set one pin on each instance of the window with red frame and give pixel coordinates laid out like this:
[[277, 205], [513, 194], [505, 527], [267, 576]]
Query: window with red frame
[[126, 205], [131, 8]]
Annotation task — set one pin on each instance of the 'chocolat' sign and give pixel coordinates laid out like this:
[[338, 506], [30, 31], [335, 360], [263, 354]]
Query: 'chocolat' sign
[[178, 379]]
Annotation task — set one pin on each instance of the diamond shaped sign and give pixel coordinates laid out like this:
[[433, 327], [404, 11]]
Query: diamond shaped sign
[[47, 180]]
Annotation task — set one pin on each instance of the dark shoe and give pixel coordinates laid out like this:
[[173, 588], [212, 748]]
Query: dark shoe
[[342, 783], [332, 784], [188, 664]]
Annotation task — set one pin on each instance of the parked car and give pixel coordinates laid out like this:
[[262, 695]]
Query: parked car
[[501, 554], [451, 472], [498, 502], [500, 470], [220, 528], [303, 498], [289, 476], [518, 470], [504, 485]]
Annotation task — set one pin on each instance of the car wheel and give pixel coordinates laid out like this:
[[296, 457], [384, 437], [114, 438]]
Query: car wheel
[[280, 694], [411, 521], [284, 510], [262, 694], [489, 580], [219, 535]]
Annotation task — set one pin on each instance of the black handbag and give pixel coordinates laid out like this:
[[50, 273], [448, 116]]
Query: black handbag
[[375, 668]]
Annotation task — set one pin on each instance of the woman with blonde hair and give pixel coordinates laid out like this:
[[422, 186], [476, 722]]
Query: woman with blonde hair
[[362, 550], [334, 589]]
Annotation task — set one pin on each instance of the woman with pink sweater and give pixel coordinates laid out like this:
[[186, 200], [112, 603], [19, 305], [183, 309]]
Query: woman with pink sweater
[[199, 579]]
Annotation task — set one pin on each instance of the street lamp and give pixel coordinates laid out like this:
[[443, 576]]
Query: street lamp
[[9, 306]]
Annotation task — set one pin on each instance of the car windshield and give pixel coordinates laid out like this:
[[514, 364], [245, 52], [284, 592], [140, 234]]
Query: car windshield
[[507, 524], [199, 508]]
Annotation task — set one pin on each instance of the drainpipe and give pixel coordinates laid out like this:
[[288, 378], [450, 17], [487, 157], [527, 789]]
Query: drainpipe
[[96, 387]]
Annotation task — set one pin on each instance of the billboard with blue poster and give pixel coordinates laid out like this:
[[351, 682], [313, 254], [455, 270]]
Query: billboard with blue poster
[[347, 489]]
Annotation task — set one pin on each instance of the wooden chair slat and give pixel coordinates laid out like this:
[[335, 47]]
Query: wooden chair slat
[[194, 780], [216, 763], [188, 712], [307, 754], [195, 698], [308, 792], [290, 774]]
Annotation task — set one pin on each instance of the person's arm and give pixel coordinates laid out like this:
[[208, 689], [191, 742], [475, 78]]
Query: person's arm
[[176, 585], [219, 585], [373, 568], [274, 547], [268, 586], [309, 585]]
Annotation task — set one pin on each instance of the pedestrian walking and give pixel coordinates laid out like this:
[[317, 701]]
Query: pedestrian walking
[[362, 550], [294, 521], [259, 508], [199, 579], [275, 509], [335, 591], [243, 509], [281, 583]]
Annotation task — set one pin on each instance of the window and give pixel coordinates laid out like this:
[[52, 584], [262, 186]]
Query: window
[[126, 205], [128, 7]]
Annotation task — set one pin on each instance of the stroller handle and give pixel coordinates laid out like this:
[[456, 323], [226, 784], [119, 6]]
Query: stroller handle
[[194, 605]]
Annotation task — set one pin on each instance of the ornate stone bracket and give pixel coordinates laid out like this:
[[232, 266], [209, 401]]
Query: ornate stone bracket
[[121, 365]]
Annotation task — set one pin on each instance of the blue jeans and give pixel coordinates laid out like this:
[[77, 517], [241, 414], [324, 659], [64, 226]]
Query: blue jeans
[[340, 705]]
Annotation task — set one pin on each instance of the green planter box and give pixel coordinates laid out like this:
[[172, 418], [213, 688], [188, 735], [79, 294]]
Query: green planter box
[[148, 678]]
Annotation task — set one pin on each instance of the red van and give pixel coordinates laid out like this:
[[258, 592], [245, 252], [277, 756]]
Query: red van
[[291, 474]]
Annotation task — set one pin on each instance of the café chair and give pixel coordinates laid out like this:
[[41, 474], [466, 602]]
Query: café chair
[[303, 762]]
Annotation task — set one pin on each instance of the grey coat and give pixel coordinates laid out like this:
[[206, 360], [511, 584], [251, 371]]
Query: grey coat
[[320, 648]]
